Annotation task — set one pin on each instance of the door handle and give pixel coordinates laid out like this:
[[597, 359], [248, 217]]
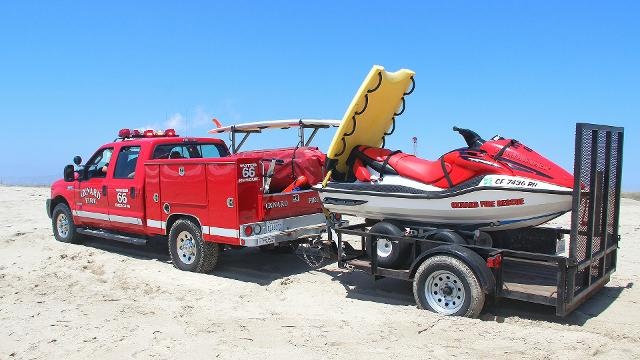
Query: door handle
[[104, 190], [132, 191]]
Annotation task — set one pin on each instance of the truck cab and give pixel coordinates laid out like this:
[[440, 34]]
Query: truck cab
[[189, 191]]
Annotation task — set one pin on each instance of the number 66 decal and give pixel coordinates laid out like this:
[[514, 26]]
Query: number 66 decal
[[122, 198], [248, 170]]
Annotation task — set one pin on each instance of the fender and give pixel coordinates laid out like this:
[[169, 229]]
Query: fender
[[48, 206], [469, 257], [51, 204]]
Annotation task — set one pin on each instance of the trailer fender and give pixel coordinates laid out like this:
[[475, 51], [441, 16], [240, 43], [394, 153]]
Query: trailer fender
[[475, 262]]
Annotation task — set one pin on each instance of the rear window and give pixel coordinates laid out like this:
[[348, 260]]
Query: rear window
[[189, 151]]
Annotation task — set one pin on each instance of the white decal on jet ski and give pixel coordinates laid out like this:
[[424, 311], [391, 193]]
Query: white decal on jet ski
[[504, 181]]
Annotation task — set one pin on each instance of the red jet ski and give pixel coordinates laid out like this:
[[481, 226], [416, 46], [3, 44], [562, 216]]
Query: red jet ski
[[489, 185]]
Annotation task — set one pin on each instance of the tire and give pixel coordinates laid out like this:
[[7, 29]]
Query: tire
[[450, 237], [64, 229], [189, 251], [391, 253], [453, 288], [483, 239]]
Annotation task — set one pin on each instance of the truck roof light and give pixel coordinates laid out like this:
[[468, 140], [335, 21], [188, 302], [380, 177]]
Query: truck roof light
[[135, 133], [124, 133]]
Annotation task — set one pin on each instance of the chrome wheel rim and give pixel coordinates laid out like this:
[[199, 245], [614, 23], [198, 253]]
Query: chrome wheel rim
[[186, 247], [444, 292], [385, 247], [62, 225]]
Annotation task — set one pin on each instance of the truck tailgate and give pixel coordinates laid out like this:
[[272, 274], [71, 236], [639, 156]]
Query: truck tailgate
[[284, 205]]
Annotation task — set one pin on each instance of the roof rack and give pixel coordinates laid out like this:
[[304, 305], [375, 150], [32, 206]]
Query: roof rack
[[257, 127]]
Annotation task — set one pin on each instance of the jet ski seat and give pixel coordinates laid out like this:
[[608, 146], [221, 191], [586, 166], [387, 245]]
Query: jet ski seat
[[385, 161]]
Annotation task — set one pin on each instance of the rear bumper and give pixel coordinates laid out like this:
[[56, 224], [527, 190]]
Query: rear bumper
[[49, 208], [292, 228]]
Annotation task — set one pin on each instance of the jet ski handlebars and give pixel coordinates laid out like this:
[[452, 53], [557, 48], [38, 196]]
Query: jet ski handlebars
[[473, 140]]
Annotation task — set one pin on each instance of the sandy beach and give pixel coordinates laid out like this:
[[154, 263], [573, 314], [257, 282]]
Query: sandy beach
[[103, 299]]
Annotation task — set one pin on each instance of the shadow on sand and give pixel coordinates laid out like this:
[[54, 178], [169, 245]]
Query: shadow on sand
[[506, 308], [263, 268], [248, 265]]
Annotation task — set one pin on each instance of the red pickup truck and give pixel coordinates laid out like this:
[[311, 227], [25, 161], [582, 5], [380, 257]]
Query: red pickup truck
[[190, 191]]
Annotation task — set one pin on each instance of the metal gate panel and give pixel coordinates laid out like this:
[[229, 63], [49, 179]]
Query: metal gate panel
[[595, 213]]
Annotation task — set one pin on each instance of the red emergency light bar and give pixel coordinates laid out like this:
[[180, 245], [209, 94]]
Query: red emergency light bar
[[135, 133]]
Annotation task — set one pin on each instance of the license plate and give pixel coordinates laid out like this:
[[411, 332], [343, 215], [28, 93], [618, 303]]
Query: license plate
[[272, 226], [265, 241]]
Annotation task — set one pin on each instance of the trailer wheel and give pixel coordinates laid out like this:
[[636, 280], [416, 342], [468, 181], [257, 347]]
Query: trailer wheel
[[448, 286], [188, 249], [450, 237], [64, 229], [391, 253], [483, 239]]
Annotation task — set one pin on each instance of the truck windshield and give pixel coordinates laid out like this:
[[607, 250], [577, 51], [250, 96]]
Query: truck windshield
[[189, 151]]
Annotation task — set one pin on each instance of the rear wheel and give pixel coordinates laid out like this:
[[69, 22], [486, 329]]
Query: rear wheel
[[446, 285], [64, 229], [188, 249], [390, 253]]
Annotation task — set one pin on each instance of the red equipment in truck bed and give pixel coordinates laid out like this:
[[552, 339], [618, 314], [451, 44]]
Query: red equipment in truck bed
[[292, 163]]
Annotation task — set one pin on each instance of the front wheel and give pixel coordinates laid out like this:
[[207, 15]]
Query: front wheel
[[188, 249], [64, 229], [446, 285]]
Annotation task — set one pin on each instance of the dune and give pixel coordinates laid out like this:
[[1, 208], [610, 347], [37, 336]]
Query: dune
[[109, 300]]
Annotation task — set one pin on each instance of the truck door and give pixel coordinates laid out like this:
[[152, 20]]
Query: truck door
[[125, 191], [91, 195]]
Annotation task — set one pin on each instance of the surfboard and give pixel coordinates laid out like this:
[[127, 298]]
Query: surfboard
[[370, 115]]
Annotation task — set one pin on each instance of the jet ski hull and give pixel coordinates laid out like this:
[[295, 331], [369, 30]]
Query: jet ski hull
[[484, 208]]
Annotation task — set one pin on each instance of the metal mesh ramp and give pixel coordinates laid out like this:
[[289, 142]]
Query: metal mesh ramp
[[596, 202]]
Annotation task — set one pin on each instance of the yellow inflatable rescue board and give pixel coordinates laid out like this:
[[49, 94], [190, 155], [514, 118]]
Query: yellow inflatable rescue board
[[370, 116]]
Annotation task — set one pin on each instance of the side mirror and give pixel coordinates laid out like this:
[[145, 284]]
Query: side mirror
[[69, 173], [77, 160]]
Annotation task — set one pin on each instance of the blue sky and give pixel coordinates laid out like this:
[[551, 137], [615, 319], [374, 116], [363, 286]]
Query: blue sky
[[73, 73]]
